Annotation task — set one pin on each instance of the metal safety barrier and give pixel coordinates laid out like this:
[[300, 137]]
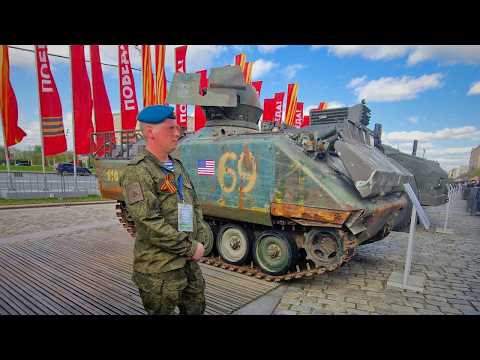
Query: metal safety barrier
[[31, 182]]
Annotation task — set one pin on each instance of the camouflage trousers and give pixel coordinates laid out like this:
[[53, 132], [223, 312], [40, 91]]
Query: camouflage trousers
[[162, 292]]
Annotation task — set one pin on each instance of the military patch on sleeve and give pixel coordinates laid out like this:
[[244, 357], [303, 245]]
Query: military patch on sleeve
[[134, 193]]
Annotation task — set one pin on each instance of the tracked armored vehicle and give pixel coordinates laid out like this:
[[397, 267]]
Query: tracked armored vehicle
[[430, 179], [282, 205]]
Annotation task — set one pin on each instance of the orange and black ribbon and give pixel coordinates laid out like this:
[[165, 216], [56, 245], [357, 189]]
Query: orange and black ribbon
[[168, 184]]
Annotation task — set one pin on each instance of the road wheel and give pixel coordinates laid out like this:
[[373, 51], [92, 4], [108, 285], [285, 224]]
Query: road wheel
[[233, 244], [274, 252]]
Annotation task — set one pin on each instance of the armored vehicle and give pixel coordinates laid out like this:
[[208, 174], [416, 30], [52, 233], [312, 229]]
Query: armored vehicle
[[282, 205], [430, 179]]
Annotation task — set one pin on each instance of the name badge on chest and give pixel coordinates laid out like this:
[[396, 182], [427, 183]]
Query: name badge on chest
[[185, 217]]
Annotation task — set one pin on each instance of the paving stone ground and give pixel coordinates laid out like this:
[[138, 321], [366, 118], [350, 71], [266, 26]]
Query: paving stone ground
[[450, 263]]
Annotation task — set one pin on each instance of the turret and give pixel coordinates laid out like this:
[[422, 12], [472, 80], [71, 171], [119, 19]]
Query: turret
[[228, 100]]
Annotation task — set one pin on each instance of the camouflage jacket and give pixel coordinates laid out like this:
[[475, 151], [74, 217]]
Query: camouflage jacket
[[159, 246]]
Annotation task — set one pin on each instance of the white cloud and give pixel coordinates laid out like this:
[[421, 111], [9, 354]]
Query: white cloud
[[395, 89], [444, 54], [475, 89], [462, 133], [413, 119], [355, 82], [198, 56], [291, 70], [262, 67], [334, 105], [265, 49]]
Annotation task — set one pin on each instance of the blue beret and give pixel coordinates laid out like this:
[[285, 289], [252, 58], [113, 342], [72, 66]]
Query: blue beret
[[155, 114]]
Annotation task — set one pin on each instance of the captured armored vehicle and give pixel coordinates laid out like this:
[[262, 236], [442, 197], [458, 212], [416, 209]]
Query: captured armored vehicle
[[430, 179], [282, 205]]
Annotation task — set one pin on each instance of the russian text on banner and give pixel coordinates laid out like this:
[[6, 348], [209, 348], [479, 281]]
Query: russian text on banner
[[54, 141], [128, 94], [180, 66]]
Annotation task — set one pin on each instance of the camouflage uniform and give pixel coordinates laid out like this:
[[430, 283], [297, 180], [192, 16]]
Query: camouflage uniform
[[162, 270]]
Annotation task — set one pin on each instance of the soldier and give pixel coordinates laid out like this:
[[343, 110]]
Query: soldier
[[170, 229]]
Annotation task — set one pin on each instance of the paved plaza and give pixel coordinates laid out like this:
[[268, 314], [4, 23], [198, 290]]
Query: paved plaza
[[450, 263]]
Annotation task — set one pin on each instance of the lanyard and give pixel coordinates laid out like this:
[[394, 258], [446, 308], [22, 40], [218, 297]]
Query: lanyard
[[180, 188]]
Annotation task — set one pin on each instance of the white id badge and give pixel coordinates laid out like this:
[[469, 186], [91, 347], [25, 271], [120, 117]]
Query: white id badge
[[185, 217]]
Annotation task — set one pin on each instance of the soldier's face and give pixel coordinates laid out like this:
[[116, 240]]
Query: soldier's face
[[164, 136]]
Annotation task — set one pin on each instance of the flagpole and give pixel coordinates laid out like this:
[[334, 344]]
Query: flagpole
[[7, 157], [75, 188], [45, 188]]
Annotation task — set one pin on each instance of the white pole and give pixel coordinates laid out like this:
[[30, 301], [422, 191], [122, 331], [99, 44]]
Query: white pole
[[411, 245], [75, 188], [448, 207], [45, 188]]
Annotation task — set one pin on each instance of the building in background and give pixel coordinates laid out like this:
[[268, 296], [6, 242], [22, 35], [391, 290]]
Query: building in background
[[474, 159], [458, 172]]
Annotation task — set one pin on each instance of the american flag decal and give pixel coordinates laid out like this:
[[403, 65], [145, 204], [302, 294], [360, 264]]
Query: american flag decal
[[206, 167]]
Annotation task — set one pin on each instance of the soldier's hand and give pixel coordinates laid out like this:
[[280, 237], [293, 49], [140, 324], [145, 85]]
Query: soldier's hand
[[198, 252]]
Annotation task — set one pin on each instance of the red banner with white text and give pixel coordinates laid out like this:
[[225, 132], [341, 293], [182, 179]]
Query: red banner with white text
[[54, 141], [180, 66], [101, 105], [128, 94], [200, 118], [82, 101], [278, 100], [299, 115], [12, 133]]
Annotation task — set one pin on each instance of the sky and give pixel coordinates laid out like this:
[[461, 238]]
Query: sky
[[426, 92]]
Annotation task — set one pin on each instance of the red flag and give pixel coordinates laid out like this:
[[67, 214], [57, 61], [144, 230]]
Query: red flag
[[299, 115], [128, 95], [180, 66], [291, 104], [148, 85], [278, 99], [12, 133], [306, 120], [82, 101], [160, 79], [101, 105], [268, 110], [54, 141], [257, 86], [323, 106], [200, 118]]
